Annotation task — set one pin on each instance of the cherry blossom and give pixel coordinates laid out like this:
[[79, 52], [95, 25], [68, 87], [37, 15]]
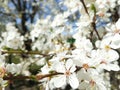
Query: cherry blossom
[[68, 76]]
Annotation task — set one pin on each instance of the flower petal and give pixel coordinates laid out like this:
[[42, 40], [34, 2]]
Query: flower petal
[[60, 81], [69, 64], [83, 85], [73, 81], [113, 55], [60, 67], [72, 69], [113, 67]]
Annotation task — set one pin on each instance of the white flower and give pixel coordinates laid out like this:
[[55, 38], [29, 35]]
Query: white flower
[[113, 28], [118, 2], [106, 59], [115, 42], [93, 84], [12, 38], [46, 69], [15, 43], [90, 81], [68, 76], [104, 44], [111, 42], [106, 3], [85, 60], [58, 20], [73, 6], [83, 43], [14, 68]]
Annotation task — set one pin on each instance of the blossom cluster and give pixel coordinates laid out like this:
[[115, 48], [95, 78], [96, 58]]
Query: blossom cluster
[[64, 54]]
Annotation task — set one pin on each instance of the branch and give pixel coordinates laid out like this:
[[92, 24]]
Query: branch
[[94, 25], [24, 52], [15, 4], [94, 28], [19, 77], [37, 77], [82, 1]]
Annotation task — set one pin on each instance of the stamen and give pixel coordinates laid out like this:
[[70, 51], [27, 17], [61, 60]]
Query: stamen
[[92, 83], [85, 66], [67, 73]]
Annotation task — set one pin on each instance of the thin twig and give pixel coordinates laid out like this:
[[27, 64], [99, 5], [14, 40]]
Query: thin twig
[[82, 1], [94, 26], [39, 77]]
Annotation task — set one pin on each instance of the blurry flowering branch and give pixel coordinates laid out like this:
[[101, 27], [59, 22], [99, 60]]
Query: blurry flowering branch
[[66, 44]]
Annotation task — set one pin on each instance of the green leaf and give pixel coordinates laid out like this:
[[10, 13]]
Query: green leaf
[[52, 71], [93, 8], [16, 60], [6, 48], [34, 68], [71, 40]]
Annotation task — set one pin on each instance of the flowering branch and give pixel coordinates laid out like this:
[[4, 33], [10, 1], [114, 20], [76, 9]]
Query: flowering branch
[[94, 19], [37, 77]]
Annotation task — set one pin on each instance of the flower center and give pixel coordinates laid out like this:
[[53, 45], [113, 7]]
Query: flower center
[[107, 47], [116, 31], [92, 83], [101, 14], [103, 62], [67, 73], [108, 2], [85, 66]]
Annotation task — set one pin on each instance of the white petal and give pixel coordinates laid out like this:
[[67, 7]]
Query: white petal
[[60, 68], [115, 44], [73, 81], [101, 87], [83, 85], [105, 42], [60, 81], [118, 24], [113, 67], [83, 75], [113, 55], [69, 64], [72, 69]]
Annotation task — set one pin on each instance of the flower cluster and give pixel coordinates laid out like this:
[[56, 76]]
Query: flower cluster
[[61, 54]]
